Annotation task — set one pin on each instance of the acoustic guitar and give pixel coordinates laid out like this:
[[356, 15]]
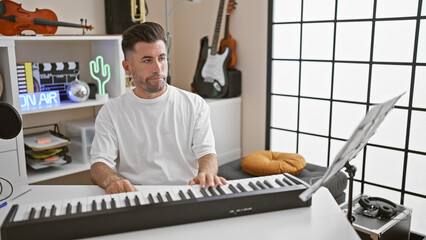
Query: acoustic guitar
[[228, 41], [211, 77]]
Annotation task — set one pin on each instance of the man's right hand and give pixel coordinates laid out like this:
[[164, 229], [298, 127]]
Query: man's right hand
[[106, 178], [119, 186]]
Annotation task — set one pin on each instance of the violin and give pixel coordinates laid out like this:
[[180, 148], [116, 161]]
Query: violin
[[14, 19], [228, 41]]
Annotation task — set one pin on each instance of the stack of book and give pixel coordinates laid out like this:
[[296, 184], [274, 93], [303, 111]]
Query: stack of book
[[46, 149]]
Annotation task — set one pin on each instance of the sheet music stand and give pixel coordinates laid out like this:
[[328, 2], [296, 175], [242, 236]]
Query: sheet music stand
[[353, 146]]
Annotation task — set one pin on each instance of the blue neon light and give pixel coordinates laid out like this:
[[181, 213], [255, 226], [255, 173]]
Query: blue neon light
[[30, 101]]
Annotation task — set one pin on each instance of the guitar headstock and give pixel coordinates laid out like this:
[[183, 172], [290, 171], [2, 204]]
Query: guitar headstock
[[231, 6]]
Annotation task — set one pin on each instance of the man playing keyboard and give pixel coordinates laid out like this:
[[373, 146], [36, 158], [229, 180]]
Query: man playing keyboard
[[156, 133]]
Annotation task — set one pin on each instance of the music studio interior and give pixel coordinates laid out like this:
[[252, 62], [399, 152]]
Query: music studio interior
[[319, 122]]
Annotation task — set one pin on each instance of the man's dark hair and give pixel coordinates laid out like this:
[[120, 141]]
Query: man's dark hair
[[145, 32]]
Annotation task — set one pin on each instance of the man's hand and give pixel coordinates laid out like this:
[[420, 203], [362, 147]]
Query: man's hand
[[207, 172], [207, 179], [107, 179], [119, 186]]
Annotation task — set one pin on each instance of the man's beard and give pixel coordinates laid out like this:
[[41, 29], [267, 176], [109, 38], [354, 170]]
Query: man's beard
[[150, 88]]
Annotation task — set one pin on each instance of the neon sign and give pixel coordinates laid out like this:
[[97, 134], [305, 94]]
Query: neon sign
[[30, 101]]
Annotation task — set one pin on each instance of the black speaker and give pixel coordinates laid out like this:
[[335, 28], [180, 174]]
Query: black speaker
[[377, 207], [10, 121], [117, 16]]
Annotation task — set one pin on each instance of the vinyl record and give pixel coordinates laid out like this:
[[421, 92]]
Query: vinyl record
[[1, 86]]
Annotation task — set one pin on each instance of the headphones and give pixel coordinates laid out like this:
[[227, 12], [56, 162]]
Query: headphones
[[376, 207]]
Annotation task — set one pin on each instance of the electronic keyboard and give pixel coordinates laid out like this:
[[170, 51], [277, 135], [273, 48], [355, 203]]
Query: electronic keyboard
[[151, 208]]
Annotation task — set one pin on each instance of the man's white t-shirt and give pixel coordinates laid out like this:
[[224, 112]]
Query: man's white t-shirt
[[154, 141]]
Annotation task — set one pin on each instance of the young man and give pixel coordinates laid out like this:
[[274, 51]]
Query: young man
[[157, 133]]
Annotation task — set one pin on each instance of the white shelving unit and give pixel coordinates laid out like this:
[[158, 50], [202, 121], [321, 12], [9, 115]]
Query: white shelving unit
[[82, 49]]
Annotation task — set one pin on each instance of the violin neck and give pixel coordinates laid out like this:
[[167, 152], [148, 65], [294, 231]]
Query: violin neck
[[46, 22]]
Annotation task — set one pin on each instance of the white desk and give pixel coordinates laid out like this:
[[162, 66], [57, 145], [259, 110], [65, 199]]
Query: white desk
[[322, 221]]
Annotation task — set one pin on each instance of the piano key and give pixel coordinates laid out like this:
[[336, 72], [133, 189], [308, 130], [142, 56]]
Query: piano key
[[261, 185], [127, 201], [93, 205], [141, 198], [83, 203], [137, 201], [21, 213], [169, 197], [150, 198], [122, 198], [79, 208], [32, 213], [196, 190], [271, 180], [74, 204], [281, 183], [212, 191], [253, 186], [104, 204], [232, 188], [174, 193], [203, 191], [62, 209], [191, 194], [53, 210], [267, 183], [295, 180], [220, 190], [288, 181], [68, 209], [239, 186], [185, 189], [131, 197], [89, 204], [146, 197], [42, 212], [113, 203], [182, 195], [160, 198], [226, 189], [245, 184], [37, 208]]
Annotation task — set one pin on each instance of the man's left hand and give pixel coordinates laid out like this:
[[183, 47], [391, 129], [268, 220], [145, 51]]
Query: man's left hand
[[207, 180]]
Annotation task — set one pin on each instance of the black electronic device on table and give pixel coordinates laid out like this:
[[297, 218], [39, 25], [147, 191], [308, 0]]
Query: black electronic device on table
[[10, 121], [123, 212]]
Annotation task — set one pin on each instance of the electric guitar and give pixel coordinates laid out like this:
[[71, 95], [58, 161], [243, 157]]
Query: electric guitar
[[228, 41], [211, 76]]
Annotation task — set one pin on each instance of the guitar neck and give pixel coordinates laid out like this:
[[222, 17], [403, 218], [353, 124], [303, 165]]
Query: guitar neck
[[217, 27], [227, 26]]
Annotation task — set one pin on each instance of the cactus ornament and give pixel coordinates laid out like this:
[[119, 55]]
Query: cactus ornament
[[102, 74]]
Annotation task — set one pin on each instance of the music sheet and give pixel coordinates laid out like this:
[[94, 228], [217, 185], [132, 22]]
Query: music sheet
[[354, 144]]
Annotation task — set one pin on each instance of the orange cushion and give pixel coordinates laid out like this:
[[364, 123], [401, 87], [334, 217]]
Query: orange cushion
[[262, 163]]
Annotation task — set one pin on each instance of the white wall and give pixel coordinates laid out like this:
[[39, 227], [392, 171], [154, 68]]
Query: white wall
[[188, 24]]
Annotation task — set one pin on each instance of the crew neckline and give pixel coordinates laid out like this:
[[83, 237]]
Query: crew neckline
[[151, 100]]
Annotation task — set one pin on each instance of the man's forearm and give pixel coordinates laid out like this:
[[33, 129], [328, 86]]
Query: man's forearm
[[208, 164], [103, 175]]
